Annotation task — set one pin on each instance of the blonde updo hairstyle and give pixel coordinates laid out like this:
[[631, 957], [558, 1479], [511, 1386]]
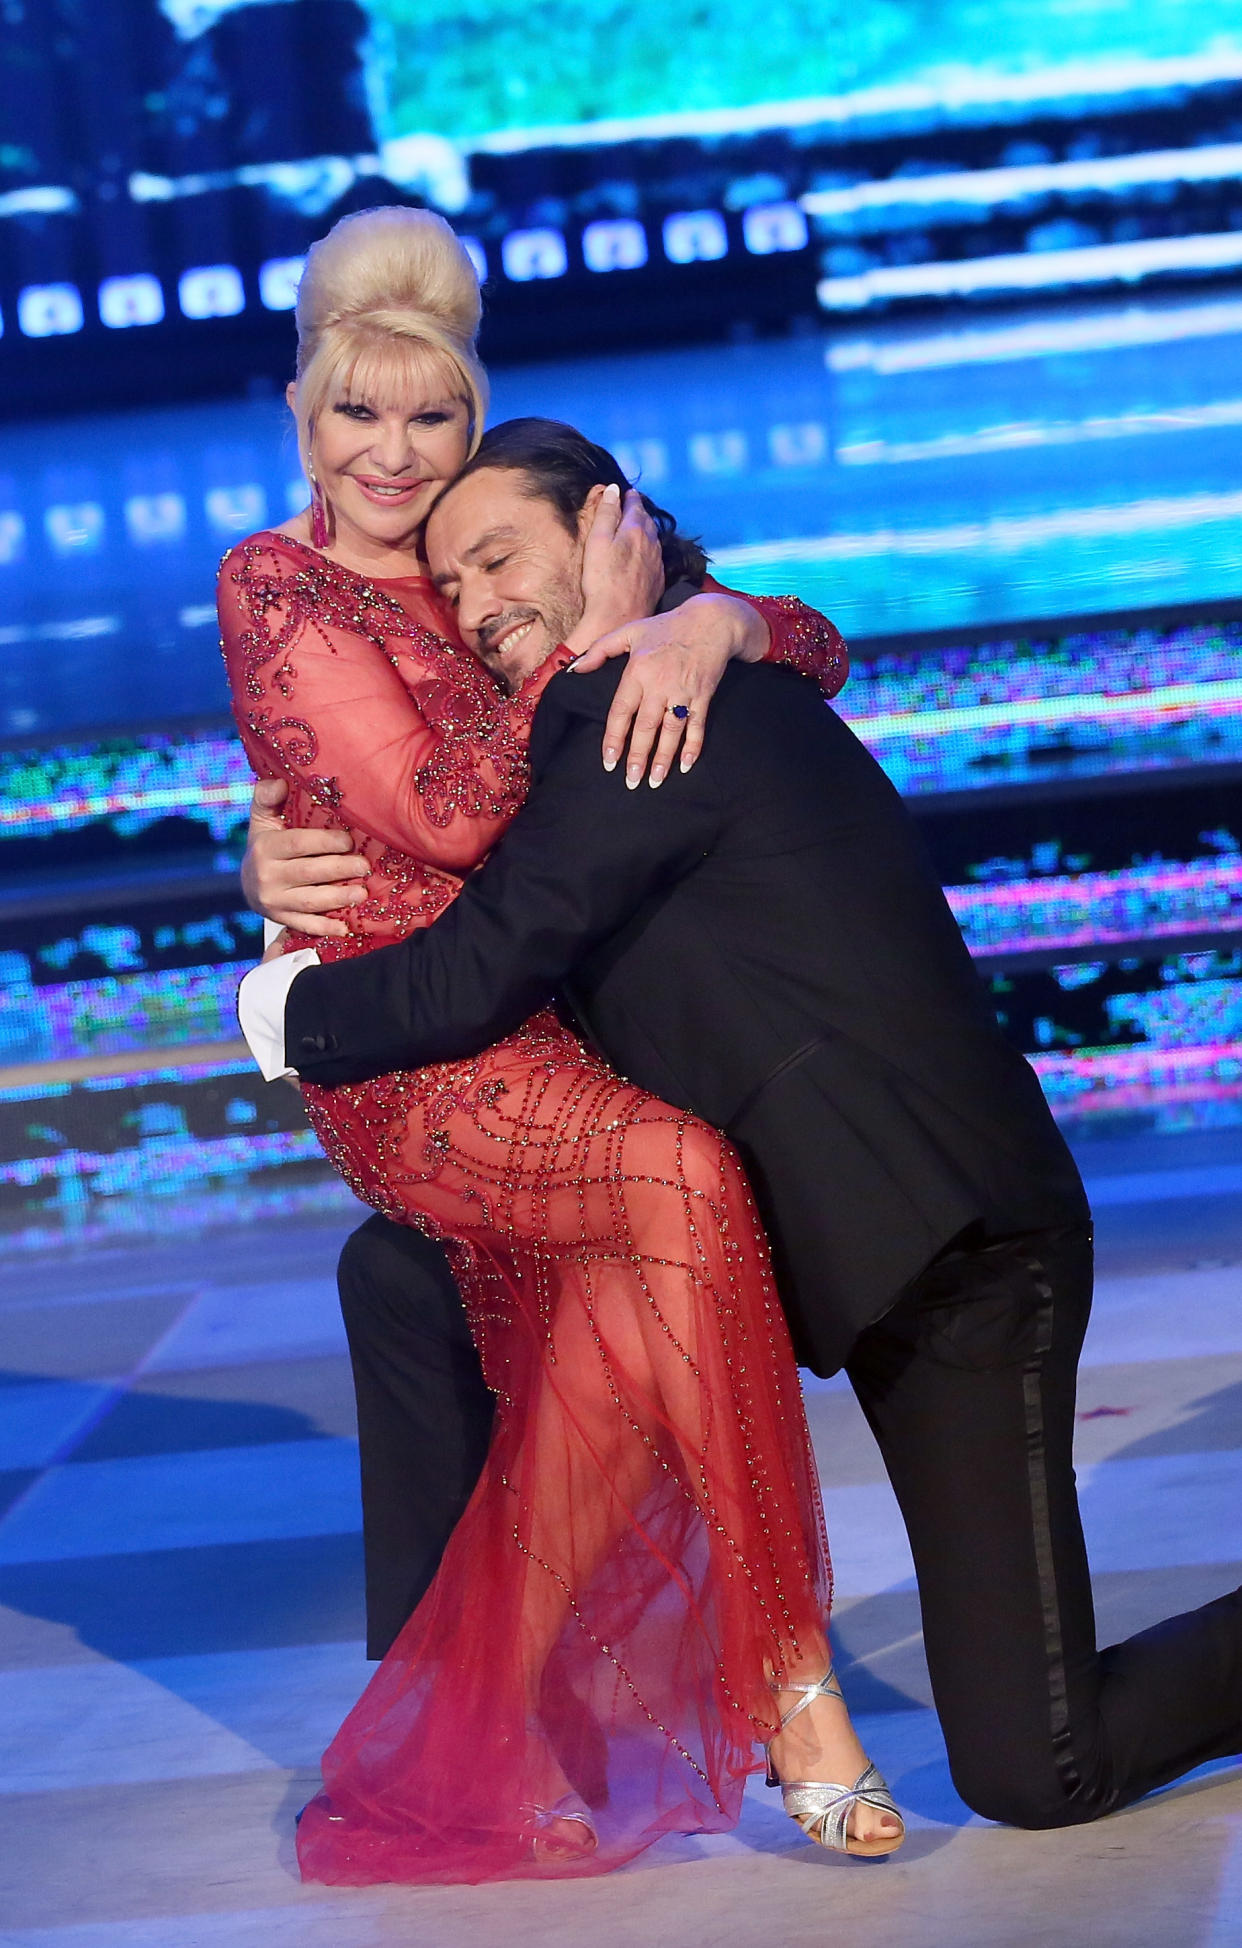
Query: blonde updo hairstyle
[[389, 300]]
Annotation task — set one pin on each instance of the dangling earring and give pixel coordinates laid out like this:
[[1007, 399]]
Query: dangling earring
[[319, 512]]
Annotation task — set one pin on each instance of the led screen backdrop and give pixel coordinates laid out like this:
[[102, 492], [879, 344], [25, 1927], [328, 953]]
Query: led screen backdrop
[[619, 171], [943, 483]]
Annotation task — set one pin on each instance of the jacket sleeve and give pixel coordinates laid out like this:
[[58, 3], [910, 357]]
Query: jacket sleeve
[[579, 861]]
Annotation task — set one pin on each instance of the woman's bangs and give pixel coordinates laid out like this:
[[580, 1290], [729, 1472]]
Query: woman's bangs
[[394, 373]]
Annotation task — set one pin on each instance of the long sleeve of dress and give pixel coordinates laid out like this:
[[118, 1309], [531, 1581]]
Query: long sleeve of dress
[[802, 638], [375, 720]]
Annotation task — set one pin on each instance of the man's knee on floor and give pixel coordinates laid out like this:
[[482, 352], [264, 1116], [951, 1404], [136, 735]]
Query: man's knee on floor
[[1004, 1788]]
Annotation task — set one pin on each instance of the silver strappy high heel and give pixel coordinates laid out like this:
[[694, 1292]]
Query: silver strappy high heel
[[546, 1845], [823, 1811]]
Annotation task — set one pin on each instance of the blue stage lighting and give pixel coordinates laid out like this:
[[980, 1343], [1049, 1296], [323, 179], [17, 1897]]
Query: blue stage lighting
[[774, 226], [528, 254], [212, 291], [719, 453], [137, 300], [619, 245], [694, 236], [153, 518], [279, 278], [802, 445], [75, 529], [49, 310], [643, 461], [238, 510]]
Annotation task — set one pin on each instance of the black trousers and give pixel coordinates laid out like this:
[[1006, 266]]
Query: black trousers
[[969, 1386]]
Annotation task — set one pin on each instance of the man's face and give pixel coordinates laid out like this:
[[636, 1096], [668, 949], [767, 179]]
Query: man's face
[[509, 570]]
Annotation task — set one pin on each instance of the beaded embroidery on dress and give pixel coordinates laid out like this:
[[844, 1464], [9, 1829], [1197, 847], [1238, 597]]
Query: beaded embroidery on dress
[[647, 1530]]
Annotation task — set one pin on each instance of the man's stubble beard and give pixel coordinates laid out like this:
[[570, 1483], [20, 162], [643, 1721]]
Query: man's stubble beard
[[558, 611]]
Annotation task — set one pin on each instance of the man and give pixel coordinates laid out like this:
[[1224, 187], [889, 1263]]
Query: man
[[763, 942]]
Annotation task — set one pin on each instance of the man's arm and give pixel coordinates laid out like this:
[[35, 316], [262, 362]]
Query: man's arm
[[580, 860]]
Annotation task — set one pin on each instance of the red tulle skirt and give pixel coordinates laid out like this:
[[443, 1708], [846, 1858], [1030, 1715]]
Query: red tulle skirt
[[646, 1542]]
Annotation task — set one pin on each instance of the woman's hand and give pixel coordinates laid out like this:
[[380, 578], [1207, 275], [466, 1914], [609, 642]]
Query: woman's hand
[[676, 662], [622, 567], [298, 878]]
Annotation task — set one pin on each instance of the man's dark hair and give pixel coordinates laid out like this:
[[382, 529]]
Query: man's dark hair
[[561, 466]]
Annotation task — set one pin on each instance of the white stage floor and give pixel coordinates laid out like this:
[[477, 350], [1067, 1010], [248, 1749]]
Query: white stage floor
[[180, 1576]]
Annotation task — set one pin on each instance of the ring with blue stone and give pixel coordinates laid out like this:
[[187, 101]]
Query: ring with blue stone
[[679, 710]]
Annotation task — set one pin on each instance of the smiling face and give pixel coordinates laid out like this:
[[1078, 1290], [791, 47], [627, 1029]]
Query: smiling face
[[382, 449], [509, 569]]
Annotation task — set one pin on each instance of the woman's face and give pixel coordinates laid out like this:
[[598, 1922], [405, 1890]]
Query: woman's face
[[382, 467]]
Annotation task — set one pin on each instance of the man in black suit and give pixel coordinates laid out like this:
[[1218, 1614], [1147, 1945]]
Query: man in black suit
[[763, 942]]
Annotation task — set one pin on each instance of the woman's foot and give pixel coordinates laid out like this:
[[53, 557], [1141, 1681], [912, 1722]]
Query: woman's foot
[[562, 1832], [558, 1821], [820, 1746]]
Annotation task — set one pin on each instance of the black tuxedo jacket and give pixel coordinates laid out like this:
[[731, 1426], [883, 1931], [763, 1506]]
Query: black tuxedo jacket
[[763, 942]]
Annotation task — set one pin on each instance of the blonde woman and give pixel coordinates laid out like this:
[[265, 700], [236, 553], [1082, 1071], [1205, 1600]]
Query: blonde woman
[[640, 1581]]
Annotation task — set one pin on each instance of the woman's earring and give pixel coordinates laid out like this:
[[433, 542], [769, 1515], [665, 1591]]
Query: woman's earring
[[319, 513]]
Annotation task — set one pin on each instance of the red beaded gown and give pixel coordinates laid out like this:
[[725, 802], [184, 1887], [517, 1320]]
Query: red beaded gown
[[647, 1531]]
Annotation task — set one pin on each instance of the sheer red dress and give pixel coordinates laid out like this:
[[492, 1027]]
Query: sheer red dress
[[647, 1531]]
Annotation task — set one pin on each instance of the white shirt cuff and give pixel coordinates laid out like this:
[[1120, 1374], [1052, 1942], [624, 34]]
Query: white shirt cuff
[[261, 1002]]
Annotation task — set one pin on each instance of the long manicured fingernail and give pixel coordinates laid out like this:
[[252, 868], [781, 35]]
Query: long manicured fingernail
[[612, 492], [687, 764], [633, 778], [658, 775], [610, 758]]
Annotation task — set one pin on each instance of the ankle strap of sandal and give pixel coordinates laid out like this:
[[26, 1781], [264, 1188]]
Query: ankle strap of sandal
[[827, 1686]]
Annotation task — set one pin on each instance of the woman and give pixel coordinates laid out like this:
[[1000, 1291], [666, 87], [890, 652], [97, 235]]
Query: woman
[[637, 1591]]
